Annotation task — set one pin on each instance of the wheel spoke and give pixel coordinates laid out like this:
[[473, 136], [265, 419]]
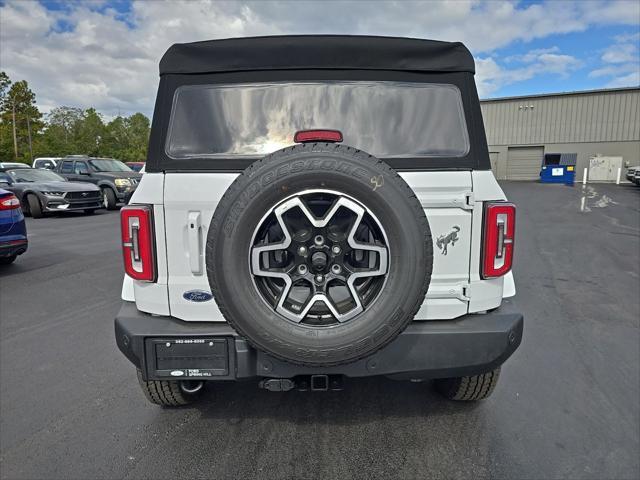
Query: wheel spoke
[[356, 274], [318, 297], [257, 251]]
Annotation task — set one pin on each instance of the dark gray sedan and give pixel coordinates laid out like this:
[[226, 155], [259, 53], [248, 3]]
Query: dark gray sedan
[[43, 191]]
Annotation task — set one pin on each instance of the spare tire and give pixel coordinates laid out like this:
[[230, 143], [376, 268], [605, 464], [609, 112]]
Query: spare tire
[[319, 254]]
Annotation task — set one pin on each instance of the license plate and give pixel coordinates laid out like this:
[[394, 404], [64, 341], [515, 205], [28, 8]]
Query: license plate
[[190, 357]]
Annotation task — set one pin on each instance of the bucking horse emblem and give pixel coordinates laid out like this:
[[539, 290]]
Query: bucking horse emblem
[[443, 241]]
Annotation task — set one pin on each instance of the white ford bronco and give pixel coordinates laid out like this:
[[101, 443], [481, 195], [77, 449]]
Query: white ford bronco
[[316, 208]]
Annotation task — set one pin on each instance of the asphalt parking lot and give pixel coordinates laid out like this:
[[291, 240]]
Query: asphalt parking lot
[[567, 405]]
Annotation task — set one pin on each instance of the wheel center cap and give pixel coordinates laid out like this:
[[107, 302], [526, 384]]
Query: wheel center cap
[[319, 261]]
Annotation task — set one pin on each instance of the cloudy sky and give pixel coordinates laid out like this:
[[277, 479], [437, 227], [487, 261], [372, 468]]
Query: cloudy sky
[[105, 53]]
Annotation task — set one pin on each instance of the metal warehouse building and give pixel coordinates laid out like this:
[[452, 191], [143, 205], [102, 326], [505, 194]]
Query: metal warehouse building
[[521, 130]]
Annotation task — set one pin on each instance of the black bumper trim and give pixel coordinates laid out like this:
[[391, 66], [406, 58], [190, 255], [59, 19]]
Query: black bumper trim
[[10, 249], [468, 345]]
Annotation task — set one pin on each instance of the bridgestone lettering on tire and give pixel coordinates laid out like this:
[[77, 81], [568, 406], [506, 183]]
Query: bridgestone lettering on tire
[[319, 254]]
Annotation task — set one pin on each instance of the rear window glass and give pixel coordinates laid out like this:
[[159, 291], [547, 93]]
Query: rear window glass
[[386, 119]]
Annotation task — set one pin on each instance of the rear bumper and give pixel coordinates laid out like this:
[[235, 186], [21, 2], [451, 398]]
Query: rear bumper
[[431, 349], [13, 247]]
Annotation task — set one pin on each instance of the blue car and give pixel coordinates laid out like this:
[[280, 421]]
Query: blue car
[[13, 231]]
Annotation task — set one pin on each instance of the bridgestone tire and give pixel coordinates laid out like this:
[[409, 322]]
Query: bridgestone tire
[[476, 387], [35, 209], [329, 167], [166, 393]]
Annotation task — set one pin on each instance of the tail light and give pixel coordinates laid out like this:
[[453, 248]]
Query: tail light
[[499, 231], [138, 249], [303, 136], [9, 202]]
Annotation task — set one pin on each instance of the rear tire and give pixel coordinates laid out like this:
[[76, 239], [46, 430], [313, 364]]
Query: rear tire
[[166, 393], [472, 388], [8, 260], [34, 206], [109, 199]]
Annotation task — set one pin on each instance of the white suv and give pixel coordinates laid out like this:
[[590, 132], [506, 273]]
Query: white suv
[[49, 163], [315, 208]]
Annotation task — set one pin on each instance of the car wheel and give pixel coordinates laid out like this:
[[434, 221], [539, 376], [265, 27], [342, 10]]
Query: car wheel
[[35, 209], [319, 254], [109, 199], [169, 393], [8, 260], [475, 387]]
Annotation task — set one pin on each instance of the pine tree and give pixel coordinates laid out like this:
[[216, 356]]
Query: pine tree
[[18, 110]]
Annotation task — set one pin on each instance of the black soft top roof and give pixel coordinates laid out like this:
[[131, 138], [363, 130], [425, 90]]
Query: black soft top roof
[[316, 52]]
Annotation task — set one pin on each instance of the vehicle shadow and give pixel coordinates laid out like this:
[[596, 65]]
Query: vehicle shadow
[[362, 400]]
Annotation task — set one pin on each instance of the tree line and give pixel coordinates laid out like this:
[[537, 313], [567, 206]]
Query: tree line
[[25, 133]]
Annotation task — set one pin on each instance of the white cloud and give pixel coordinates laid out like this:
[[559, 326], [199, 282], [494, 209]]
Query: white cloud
[[630, 80], [490, 76], [106, 63], [531, 55], [613, 70], [621, 62], [556, 63], [628, 37], [621, 53]]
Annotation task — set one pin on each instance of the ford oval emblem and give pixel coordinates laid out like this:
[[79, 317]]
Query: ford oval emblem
[[197, 296]]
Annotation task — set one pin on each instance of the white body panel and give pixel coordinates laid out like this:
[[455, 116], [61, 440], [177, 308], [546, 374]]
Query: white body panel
[[444, 197], [128, 290], [185, 203], [153, 297], [509, 289], [187, 194]]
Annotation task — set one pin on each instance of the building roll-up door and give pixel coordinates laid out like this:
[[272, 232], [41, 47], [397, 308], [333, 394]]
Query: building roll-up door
[[523, 163]]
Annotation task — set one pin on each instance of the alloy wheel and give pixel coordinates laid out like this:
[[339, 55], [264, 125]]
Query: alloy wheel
[[319, 258]]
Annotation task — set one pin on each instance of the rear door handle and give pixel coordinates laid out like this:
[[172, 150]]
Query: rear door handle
[[195, 248]]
